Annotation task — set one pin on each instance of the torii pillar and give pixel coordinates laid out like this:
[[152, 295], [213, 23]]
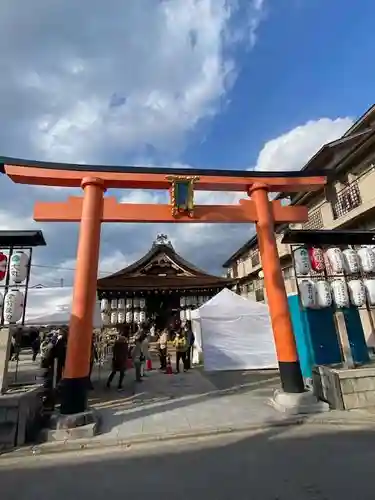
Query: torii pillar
[[289, 366], [75, 383]]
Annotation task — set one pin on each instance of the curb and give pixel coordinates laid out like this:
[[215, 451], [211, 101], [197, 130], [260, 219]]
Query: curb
[[101, 443]]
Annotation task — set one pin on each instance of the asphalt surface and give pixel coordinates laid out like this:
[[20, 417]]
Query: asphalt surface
[[302, 463]]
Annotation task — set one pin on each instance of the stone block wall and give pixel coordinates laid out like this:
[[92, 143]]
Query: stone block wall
[[345, 389]]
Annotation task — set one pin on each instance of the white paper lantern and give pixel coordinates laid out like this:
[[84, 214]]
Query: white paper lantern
[[121, 304], [194, 300], [3, 265], [323, 294], [106, 318], [104, 305], [142, 317], [114, 318], [13, 306], [188, 314], [316, 259], [357, 292], [182, 315], [302, 261], [18, 267], [370, 291], [351, 262], [136, 316], [340, 293], [121, 316], [136, 302], [129, 303], [188, 301], [129, 317], [335, 259], [182, 301], [142, 303], [366, 259], [307, 293], [114, 304], [200, 300]]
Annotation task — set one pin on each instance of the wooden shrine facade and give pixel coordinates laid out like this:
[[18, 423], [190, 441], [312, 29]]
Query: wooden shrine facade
[[161, 283]]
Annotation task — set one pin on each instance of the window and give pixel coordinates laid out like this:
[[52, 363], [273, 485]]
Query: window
[[347, 199]]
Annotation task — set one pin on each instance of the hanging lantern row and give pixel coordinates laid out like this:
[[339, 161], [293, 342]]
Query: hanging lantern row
[[119, 311], [349, 260], [194, 301], [12, 306], [18, 267], [107, 305], [321, 294]]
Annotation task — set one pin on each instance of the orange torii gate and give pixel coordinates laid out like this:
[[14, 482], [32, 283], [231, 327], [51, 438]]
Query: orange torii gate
[[93, 208]]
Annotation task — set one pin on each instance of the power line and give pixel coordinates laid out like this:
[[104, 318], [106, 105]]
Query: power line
[[64, 268]]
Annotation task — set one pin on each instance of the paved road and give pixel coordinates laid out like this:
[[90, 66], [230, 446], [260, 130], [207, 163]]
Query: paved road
[[303, 463]]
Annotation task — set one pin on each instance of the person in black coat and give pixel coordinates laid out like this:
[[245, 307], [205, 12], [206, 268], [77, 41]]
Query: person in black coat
[[119, 360]]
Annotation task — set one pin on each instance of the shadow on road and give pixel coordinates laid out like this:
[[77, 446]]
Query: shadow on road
[[303, 463]]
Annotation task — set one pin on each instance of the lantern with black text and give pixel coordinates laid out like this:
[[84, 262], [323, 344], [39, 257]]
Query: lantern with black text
[[357, 292], [323, 294], [18, 267], [351, 262], [136, 317], [106, 318], [104, 305], [129, 304], [307, 293], [121, 304], [302, 261], [121, 316], [340, 293], [142, 303], [129, 316], [366, 259], [370, 291], [142, 317], [114, 317], [13, 306], [335, 259]]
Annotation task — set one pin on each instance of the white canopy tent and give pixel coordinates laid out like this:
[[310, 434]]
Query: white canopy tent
[[52, 306], [234, 333]]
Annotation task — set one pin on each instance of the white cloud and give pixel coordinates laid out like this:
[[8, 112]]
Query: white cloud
[[94, 81], [293, 149], [90, 81]]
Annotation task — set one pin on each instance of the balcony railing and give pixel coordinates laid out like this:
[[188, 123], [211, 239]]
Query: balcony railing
[[347, 200], [315, 220]]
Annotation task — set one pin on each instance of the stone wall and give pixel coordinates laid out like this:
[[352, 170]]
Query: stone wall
[[345, 389], [20, 416]]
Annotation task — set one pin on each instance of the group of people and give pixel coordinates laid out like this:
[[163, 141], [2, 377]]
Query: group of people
[[122, 352], [183, 343]]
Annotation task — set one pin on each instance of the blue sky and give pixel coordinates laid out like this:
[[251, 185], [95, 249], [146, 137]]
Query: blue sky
[[208, 83], [312, 59]]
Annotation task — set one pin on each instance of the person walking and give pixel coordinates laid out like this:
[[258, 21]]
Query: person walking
[[137, 358], [119, 360], [163, 347], [181, 345], [190, 337]]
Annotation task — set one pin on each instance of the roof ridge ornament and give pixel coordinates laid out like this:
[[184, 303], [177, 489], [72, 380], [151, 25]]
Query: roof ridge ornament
[[162, 239]]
